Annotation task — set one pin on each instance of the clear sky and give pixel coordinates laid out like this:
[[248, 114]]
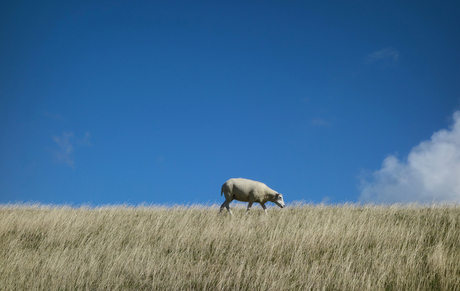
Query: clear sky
[[108, 102]]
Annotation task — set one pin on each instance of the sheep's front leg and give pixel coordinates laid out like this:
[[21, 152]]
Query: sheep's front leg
[[249, 207]]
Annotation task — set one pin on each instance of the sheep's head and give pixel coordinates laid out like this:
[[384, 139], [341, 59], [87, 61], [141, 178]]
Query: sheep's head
[[279, 200]]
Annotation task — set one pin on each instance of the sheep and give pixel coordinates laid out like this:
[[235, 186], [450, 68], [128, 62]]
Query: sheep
[[249, 191]]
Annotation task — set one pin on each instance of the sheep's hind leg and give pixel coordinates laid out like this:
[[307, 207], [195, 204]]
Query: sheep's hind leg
[[249, 207], [264, 207], [226, 204], [222, 207]]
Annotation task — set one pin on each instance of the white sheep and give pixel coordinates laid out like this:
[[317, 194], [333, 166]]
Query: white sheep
[[249, 191]]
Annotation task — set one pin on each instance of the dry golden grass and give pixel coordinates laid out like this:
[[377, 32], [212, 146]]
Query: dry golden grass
[[303, 247]]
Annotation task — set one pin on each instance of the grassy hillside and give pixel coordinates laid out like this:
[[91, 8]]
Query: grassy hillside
[[346, 247]]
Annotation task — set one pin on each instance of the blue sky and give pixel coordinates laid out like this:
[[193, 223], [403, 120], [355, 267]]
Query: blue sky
[[107, 102]]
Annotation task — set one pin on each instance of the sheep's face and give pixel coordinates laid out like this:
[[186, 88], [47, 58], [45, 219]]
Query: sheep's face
[[279, 200]]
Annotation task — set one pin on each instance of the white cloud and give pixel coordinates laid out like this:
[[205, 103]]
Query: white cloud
[[431, 172], [65, 143], [325, 199], [65, 148], [387, 54], [85, 139]]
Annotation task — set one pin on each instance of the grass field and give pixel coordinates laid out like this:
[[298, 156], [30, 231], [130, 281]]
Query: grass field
[[303, 247]]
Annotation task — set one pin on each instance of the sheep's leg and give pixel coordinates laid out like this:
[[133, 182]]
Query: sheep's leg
[[249, 207], [264, 207], [222, 207], [228, 207], [226, 204]]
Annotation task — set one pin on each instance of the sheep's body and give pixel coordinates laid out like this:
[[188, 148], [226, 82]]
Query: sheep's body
[[249, 191]]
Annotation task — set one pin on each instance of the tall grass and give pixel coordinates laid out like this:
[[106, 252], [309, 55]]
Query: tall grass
[[303, 247]]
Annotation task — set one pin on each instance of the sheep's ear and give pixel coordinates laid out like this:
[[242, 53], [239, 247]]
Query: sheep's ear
[[277, 195]]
